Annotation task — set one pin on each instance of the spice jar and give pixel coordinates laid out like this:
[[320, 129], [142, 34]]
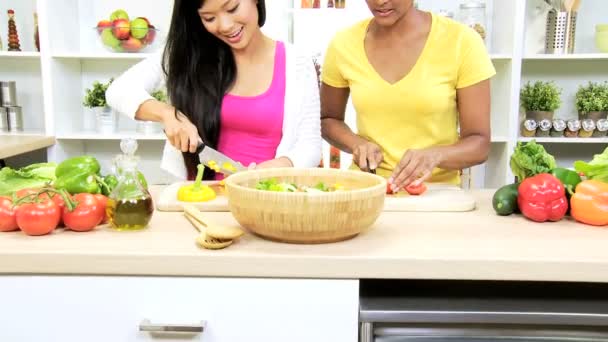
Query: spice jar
[[587, 128], [559, 125], [473, 14], [601, 128], [528, 128], [572, 128], [544, 128]]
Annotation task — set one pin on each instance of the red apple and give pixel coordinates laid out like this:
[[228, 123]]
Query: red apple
[[132, 44], [149, 38], [121, 29], [103, 24]]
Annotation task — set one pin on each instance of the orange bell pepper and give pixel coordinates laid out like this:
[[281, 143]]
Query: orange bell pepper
[[589, 204]]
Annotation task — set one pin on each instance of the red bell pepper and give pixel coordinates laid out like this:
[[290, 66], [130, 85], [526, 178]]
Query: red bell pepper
[[542, 198]]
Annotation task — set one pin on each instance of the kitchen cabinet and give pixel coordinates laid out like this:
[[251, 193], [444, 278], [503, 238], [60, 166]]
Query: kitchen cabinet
[[51, 83], [95, 308]]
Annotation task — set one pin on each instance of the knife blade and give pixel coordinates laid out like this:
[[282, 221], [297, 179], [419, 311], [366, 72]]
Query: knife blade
[[216, 160]]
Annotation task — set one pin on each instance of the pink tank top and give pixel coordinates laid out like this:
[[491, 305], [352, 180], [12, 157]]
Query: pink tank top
[[251, 127]]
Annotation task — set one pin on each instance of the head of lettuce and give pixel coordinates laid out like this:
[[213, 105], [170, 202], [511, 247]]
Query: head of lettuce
[[31, 176], [530, 159]]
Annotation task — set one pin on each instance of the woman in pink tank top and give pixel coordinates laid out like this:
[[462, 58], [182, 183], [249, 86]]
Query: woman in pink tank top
[[226, 81]]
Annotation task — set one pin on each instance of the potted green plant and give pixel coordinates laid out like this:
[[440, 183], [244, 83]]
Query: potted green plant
[[95, 99], [540, 100], [592, 101]]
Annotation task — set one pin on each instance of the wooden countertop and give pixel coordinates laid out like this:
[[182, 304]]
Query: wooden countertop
[[12, 145], [471, 245]]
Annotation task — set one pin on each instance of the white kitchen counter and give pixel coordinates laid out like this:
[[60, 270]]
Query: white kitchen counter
[[471, 245]]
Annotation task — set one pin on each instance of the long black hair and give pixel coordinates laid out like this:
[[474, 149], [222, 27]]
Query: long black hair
[[199, 69]]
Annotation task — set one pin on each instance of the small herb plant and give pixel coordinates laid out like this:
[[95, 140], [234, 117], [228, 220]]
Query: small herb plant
[[96, 97], [592, 98], [160, 95], [541, 96]]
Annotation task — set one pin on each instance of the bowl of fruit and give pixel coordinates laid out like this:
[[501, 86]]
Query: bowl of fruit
[[119, 33], [313, 205]]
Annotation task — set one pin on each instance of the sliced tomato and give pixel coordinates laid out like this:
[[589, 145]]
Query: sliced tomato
[[416, 190], [389, 191], [38, 218], [87, 214], [8, 221]]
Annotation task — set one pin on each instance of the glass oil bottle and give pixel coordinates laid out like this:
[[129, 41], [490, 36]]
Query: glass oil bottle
[[130, 206]]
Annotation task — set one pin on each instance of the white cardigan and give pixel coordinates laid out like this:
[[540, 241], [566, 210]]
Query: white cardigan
[[301, 141]]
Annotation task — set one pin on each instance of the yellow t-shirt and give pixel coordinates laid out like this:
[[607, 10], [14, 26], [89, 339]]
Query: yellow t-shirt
[[420, 110]]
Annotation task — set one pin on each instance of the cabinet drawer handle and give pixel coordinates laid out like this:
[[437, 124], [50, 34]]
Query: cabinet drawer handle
[[147, 326]]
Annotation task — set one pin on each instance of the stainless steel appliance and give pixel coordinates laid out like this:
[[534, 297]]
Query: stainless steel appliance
[[495, 312]]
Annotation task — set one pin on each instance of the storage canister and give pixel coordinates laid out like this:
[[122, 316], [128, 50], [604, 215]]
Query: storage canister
[[544, 128], [572, 128], [3, 119], [8, 93], [587, 128], [601, 128], [15, 118], [473, 14], [559, 125], [528, 128]]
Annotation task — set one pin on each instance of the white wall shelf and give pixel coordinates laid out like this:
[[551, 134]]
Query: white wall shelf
[[19, 54], [551, 140], [115, 136], [574, 56], [102, 56]]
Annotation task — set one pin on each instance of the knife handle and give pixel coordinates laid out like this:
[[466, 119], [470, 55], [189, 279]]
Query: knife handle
[[200, 147]]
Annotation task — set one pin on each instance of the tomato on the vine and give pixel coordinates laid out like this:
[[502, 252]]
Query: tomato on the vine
[[87, 214], [8, 222], [37, 218]]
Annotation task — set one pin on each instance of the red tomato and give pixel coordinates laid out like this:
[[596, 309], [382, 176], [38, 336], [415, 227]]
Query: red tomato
[[87, 214], [416, 190], [389, 191], [8, 222], [59, 201], [103, 202], [38, 218]]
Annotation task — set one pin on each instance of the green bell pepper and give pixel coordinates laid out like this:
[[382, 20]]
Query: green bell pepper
[[110, 182], [78, 182], [79, 175], [81, 163], [569, 179]]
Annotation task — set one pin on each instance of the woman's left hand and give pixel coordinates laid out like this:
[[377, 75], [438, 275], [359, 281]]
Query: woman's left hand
[[415, 167]]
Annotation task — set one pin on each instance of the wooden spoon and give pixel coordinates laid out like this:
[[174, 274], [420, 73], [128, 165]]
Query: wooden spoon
[[211, 230]]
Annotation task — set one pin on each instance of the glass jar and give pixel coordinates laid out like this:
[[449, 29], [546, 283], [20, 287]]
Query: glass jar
[[528, 128], [559, 125], [544, 128], [601, 128], [473, 14], [572, 128], [130, 206], [587, 128]]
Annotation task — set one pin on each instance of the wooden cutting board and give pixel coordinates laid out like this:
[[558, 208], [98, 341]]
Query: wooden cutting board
[[439, 198]]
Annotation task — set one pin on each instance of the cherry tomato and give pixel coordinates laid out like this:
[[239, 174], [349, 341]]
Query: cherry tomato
[[87, 214], [8, 222], [389, 191], [416, 190], [103, 202], [38, 218]]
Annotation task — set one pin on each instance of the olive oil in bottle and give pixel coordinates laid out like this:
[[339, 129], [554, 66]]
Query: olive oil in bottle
[[130, 214], [130, 206]]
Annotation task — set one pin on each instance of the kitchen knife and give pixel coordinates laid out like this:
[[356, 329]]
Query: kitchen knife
[[218, 161]]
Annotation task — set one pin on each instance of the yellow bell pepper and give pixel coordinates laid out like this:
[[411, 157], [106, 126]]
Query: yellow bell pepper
[[196, 192]]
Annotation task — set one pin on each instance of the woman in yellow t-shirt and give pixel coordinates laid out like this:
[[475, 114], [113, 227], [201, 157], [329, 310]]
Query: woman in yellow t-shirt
[[420, 86]]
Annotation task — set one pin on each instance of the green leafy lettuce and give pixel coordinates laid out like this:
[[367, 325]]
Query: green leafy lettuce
[[273, 185], [530, 159], [31, 176], [596, 169]]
